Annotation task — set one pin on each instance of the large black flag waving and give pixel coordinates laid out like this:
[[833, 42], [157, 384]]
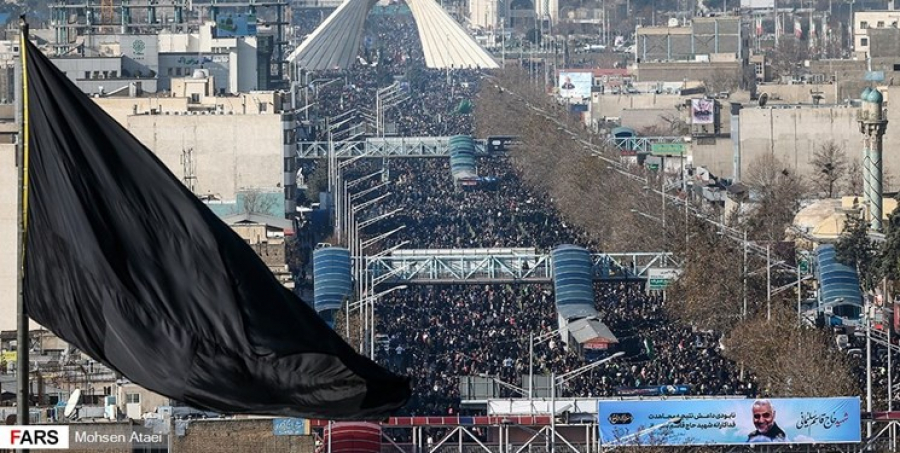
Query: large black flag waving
[[123, 262]]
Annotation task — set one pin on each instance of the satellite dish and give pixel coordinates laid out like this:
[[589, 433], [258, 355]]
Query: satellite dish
[[763, 98], [72, 403]]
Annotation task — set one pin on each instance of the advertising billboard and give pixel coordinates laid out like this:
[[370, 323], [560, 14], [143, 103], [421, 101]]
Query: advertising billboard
[[729, 422], [230, 25], [758, 4], [703, 111], [575, 84]]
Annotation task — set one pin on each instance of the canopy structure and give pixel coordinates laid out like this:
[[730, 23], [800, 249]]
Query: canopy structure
[[839, 284], [335, 43]]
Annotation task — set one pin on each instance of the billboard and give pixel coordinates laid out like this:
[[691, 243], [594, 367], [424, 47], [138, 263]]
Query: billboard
[[229, 25], [758, 4], [703, 111], [575, 84], [729, 422]]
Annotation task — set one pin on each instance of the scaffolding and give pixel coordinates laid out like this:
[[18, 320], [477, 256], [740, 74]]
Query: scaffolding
[[73, 18]]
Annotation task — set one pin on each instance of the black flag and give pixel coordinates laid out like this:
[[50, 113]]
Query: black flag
[[124, 263]]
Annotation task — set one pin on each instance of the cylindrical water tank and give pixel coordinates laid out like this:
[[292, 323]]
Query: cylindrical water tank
[[332, 280], [462, 157], [573, 282]]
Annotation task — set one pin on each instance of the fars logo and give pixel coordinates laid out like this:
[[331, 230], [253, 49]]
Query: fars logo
[[37, 437]]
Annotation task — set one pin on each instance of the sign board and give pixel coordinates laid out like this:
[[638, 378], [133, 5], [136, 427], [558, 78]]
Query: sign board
[[576, 85], [658, 279], [667, 149], [703, 111], [290, 427], [729, 422], [758, 4], [874, 76], [230, 25]]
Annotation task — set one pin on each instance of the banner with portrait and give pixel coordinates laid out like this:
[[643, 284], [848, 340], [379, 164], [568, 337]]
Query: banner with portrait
[[575, 85], [703, 111], [729, 421]]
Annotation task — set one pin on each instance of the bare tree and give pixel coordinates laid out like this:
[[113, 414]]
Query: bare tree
[[668, 125], [256, 202], [788, 57], [778, 189], [829, 166], [853, 180], [722, 81], [788, 356]]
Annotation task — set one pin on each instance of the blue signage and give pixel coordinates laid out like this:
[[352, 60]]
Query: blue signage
[[290, 427], [729, 421]]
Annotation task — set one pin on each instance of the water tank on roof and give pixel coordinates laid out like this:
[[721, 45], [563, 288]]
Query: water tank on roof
[[332, 281], [200, 73]]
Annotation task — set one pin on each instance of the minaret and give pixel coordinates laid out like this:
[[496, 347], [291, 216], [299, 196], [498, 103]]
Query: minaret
[[872, 125]]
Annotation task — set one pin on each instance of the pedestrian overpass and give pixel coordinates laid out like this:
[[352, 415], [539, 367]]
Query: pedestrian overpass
[[384, 147], [495, 266], [440, 146]]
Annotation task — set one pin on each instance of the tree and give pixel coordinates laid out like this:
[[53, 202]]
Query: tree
[[256, 202], [778, 190], [711, 262], [855, 249], [788, 57], [889, 256], [853, 182], [788, 356], [829, 166]]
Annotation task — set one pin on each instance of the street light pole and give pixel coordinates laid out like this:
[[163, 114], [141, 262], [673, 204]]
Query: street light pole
[[552, 412], [768, 283], [530, 365], [746, 269]]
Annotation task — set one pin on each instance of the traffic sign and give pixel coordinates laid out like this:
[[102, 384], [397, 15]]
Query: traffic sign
[[658, 279]]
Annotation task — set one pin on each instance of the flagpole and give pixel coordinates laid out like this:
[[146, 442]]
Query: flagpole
[[22, 343]]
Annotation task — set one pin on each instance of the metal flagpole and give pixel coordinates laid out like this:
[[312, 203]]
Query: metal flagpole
[[22, 346]]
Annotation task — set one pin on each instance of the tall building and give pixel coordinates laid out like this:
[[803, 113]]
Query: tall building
[[547, 10], [487, 14], [8, 229], [869, 26]]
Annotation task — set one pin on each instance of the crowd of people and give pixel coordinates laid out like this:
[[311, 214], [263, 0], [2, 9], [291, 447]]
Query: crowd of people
[[423, 102], [439, 333]]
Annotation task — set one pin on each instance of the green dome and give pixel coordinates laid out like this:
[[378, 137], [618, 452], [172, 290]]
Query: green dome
[[875, 96], [865, 94]]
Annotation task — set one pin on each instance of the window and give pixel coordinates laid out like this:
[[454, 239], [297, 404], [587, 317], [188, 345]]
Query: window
[[171, 71], [132, 398], [87, 74], [896, 67], [863, 24], [114, 74], [864, 42], [880, 24], [178, 72]]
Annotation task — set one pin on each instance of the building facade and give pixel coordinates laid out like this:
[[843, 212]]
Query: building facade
[[219, 146], [865, 22], [704, 39]]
